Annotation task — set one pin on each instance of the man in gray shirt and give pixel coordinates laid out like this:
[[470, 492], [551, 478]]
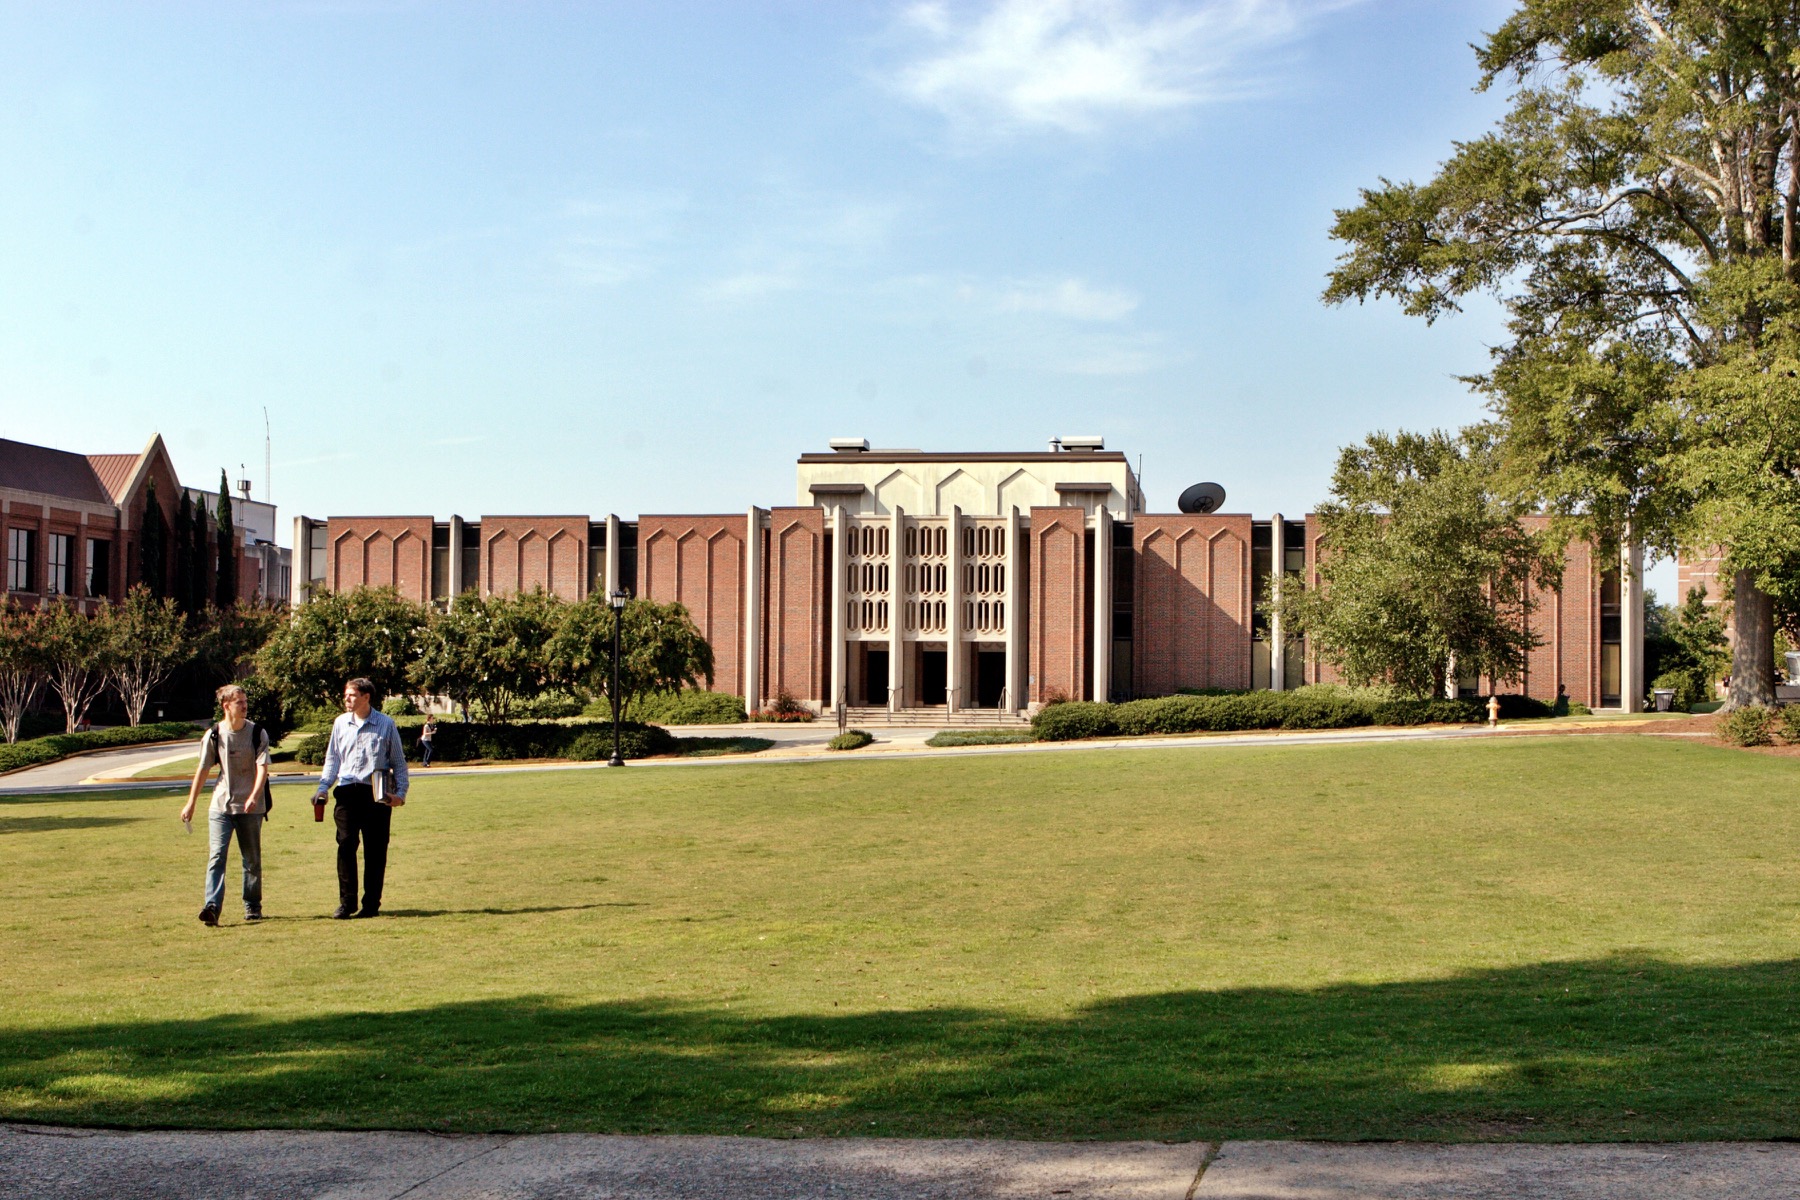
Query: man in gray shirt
[[367, 762], [241, 752]]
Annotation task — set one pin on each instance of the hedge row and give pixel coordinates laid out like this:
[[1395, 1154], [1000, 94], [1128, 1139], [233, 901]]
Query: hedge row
[[1247, 710], [691, 706], [42, 750], [579, 741]]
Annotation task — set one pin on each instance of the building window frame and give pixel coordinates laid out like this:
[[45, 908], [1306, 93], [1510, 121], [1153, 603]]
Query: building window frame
[[21, 559], [97, 580], [59, 564]]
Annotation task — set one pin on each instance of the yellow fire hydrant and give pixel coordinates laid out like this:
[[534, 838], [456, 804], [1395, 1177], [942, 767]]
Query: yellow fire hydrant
[[1493, 712]]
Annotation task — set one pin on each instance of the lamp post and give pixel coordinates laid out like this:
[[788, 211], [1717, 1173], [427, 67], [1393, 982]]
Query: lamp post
[[617, 600]]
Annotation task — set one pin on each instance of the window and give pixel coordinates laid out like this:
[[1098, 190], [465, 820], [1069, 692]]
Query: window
[[21, 552], [60, 578], [471, 557], [440, 561], [596, 563], [99, 567]]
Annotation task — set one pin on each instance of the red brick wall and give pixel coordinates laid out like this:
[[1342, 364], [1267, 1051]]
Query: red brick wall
[[1059, 619], [1695, 570], [699, 561], [794, 604], [1193, 603], [522, 553], [168, 497], [379, 552]]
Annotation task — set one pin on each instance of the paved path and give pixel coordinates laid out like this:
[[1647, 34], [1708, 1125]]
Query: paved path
[[54, 1164]]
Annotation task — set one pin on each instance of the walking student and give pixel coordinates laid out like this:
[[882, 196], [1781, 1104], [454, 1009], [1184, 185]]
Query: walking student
[[425, 737], [239, 802], [367, 762]]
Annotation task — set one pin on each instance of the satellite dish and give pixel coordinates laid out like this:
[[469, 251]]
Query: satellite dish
[[1201, 498]]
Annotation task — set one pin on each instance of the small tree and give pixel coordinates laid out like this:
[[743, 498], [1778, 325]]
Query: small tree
[[21, 664], [153, 539], [453, 652], [1691, 650], [148, 641], [229, 638], [372, 632], [77, 659], [661, 649], [225, 594], [1423, 565], [490, 652]]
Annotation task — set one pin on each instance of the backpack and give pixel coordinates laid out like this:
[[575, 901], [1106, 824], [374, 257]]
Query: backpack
[[256, 735]]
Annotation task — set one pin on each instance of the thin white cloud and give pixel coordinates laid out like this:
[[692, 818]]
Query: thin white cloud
[[1069, 298], [1074, 65], [750, 285]]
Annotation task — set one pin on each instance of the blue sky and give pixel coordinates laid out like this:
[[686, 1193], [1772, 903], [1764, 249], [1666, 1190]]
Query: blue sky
[[635, 257]]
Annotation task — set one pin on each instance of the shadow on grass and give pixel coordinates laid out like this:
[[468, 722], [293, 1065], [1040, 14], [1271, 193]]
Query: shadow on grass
[[52, 824], [1617, 1049]]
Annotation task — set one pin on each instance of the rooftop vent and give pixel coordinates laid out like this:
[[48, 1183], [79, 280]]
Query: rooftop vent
[[1083, 443], [850, 445]]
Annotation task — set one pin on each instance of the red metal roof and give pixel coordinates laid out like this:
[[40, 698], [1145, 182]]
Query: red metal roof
[[114, 472]]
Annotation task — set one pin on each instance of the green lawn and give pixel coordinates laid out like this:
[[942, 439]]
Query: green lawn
[[1537, 938]]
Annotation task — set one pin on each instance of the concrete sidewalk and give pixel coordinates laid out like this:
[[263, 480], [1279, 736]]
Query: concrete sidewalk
[[54, 1164]]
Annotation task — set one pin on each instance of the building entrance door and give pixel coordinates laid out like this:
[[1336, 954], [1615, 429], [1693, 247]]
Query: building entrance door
[[934, 676], [990, 677], [875, 677]]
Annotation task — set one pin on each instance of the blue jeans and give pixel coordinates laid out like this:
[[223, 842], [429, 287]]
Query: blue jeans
[[248, 827]]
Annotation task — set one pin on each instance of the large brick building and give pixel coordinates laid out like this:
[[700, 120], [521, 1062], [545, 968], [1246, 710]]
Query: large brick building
[[72, 524], [900, 579]]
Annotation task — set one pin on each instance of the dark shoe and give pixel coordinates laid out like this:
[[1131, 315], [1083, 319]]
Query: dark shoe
[[343, 913], [370, 912], [254, 916], [209, 916]]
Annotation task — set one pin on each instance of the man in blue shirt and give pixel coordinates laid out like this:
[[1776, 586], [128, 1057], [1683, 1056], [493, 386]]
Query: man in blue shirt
[[367, 762]]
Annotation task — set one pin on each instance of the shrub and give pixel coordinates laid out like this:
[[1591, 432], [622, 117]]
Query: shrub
[[399, 706], [1300, 709], [1072, 719], [1517, 708], [1751, 725], [690, 706], [550, 706], [583, 741], [42, 750], [1788, 718], [784, 708], [1689, 686], [980, 737], [850, 739]]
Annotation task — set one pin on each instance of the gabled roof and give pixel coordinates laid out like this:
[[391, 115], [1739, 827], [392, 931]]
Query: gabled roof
[[51, 472]]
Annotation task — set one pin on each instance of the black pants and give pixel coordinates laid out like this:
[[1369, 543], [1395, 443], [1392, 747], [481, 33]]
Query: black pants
[[358, 817]]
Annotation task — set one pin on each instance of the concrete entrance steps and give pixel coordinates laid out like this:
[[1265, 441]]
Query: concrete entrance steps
[[933, 718]]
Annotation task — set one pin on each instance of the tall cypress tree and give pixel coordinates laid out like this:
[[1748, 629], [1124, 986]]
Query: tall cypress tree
[[183, 589], [200, 538], [227, 583], [153, 539]]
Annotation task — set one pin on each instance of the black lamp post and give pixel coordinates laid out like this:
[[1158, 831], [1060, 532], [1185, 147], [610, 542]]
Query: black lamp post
[[617, 600]]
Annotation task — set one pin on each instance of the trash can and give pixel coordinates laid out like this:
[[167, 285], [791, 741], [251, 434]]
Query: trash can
[[1665, 699], [1793, 666]]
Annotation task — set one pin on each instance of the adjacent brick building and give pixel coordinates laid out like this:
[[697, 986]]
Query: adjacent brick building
[[908, 580]]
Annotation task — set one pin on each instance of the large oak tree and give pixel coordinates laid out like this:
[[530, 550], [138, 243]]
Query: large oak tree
[[1637, 211]]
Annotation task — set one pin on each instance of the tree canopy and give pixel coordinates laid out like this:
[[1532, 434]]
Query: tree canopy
[[1637, 212], [660, 649], [1422, 564], [371, 632]]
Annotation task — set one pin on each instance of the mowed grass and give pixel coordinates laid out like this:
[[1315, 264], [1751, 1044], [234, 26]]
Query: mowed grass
[[1571, 938]]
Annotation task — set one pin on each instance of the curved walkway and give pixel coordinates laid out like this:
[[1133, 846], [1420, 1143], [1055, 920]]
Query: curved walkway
[[64, 1164]]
